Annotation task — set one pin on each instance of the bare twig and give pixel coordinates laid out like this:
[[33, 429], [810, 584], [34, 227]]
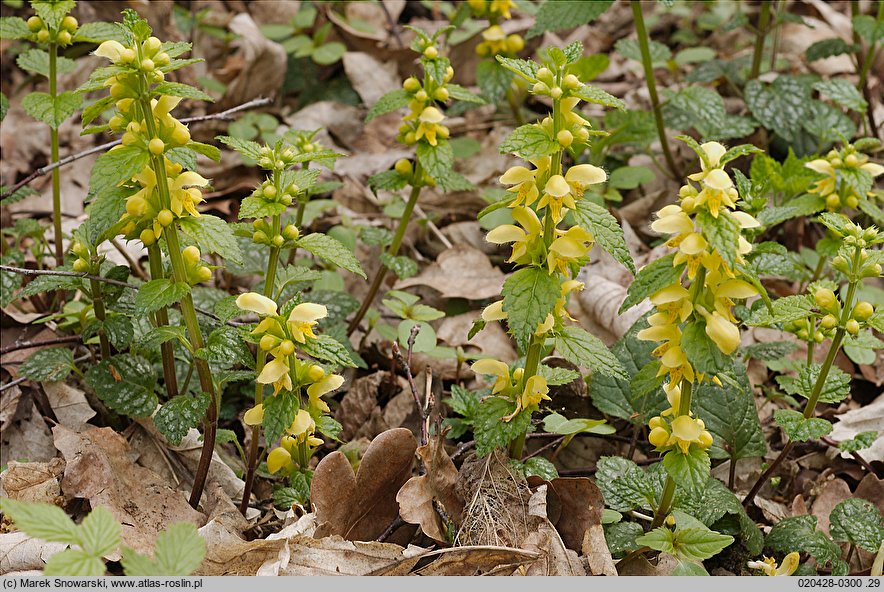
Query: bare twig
[[405, 363], [223, 115], [133, 264], [856, 456], [394, 526], [19, 345], [21, 379]]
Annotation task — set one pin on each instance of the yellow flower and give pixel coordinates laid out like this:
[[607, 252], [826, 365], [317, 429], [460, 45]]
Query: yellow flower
[[569, 247], [501, 7], [686, 431], [254, 302], [536, 390], [493, 312], [825, 186], [522, 239], [494, 41], [769, 565], [303, 318], [183, 192], [277, 459], [581, 176], [302, 426], [276, 372], [499, 370], [321, 387], [673, 300], [254, 416], [524, 181], [725, 334], [429, 127], [557, 195], [111, 50]]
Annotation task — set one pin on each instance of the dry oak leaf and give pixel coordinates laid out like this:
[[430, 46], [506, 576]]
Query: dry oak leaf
[[101, 468], [360, 507], [35, 482], [68, 403], [460, 272], [417, 495]]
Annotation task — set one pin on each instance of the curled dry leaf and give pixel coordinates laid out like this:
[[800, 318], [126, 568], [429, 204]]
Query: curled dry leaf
[[35, 482], [438, 483], [865, 419], [26, 435], [460, 272], [371, 78], [831, 494], [360, 507], [101, 468], [360, 412], [19, 553], [555, 558], [68, 403], [260, 64]]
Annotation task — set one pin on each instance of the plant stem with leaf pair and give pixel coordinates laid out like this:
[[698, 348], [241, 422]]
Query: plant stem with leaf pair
[[647, 65], [161, 318], [761, 31], [815, 394], [864, 63], [53, 149], [98, 306], [269, 281], [392, 250]]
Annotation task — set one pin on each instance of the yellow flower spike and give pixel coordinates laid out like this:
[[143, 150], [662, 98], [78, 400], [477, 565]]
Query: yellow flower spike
[[278, 458], [493, 312], [254, 416], [582, 176], [322, 387], [254, 302], [685, 431], [725, 334], [536, 390], [303, 424], [495, 368], [302, 319]]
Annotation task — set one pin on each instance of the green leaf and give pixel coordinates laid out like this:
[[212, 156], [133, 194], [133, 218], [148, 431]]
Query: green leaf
[[555, 15], [333, 251], [527, 69], [702, 352], [74, 562], [650, 279], [767, 352], [114, 166], [98, 31], [629, 48], [857, 521], [584, 349], [697, 544], [437, 160], [247, 148], [558, 424], [387, 181], [596, 96], [36, 61], [259, 207], [557, 376], [843, 93], [295, 274], [789, 308], [827, 48], [869, 28], [177, 89], [329, 53], [712, 503], [630, 177], [179, 552], [48, 365], [529, 141], [41, 521], [153, 339], [722, 232], [780, 106], [213, 235], [799, 428], [703, 109], [459, 93], [834, 389], [537, 466], [491, 432], [660, 539], [862, 441], [529, 295], [328, 349], [799, 533], [157, 294], [125, 383], [605, 230], [53, 113], [52, 11], [13, 27], [493, 79], [621, 536], [404, 267], [280, 411], [207, 150], [730, 416], [690, 470], [225, 347], [100, 532], [392, 101], [175, 418], [624, 485], [284, 498]]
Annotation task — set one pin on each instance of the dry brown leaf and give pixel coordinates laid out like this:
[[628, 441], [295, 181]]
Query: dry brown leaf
[[100, 468], [35, 482], [555, 558], [361, 507], [19, 552], [26, 435], [438, 483], [229, 555], [360, 413], [864, 419], [260, 63], [831, 494], [595, 549], [371, 78], [576, 505], [475, 560], [335, 556], [68, 403], [871, 488], [460, 272]]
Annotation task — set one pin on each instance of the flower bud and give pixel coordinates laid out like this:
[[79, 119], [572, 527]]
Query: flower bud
[[268, 342], [872, 271], [431, 53], [125, 104], [404, 167], [705, 439], [278, 459], [656, 422], [63, 38], [411, 84], [181, 135], [863, 310], [270, 192], [851, 201], [191, 255], [441, 94], [165, 217], [825, 298], [829, 322], [277, 241], [285, 199], [515, 43], [116, 123], [315, 373], [203, 274], [539, 88], [545, 75], [571, 82], [260, 237], [421, 95], [162, 59], [583, 134], [852, 326], [565, 138], [35, 23], [851, 160], [147, 237], [81, 266], [449, 74], [135, 206], [119, 91], [156, 146], [287, 348], [836, 162], [151, 46], [658, 437], [833, 202], [555, 92], [290, 232]]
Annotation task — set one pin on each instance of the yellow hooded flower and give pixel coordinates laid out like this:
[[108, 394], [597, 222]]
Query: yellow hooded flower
[[278, 458], [184, 193], [276, 372], [581, 176], [536, 390], [522, 239], [493, 312], [303, 425], [572, 245], [499, 370], [524, 181], [557, 195], [769, 565], [686, 431], [322, 387], [254, 416], [429, 127], [111, 50], [724, 333], [303, 318], [254, 302]]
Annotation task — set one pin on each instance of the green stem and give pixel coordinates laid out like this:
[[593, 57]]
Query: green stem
[[188, 312], [252, 461], [56, 176], [684, 408], [392, 251], [161, 317], [760, 35], [643, 44], [98, 305], [865, 66]]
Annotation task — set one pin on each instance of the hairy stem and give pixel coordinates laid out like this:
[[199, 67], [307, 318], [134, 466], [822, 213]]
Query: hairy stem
[[98, 305], [684, 408], [761, 31], [643, 44], [392, 251], [865, 64], [269, 281], [56, 178], [161, 318]]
